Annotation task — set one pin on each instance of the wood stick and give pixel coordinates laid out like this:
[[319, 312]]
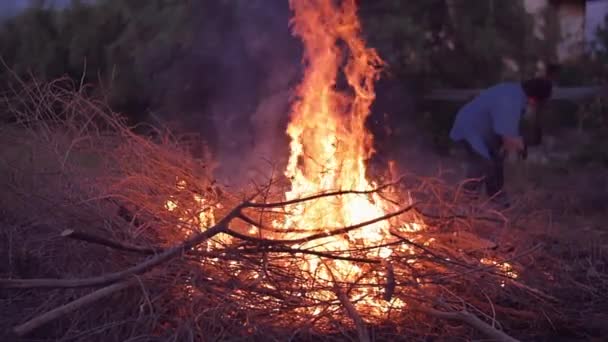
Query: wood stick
[[76, 235], [470, 319], [36, 322]]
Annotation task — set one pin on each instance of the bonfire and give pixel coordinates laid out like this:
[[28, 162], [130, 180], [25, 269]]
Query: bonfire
[[322, 249]]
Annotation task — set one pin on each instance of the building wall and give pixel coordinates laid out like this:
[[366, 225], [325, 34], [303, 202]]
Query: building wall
[[537, 8], [570, 15]]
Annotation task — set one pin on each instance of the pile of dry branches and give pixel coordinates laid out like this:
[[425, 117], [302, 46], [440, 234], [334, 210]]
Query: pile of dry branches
[[131, 239]]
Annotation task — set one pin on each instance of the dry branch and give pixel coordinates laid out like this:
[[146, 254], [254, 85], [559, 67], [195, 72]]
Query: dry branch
[[36, 322], [82, 236], [334, 232], [220, 227], [322, 195], [469, 319], [143, 267]]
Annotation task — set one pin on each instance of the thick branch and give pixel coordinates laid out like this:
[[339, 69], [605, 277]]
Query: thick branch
[[76, 235], [470, 319], [143, 267], [312, 237], [34, 323]]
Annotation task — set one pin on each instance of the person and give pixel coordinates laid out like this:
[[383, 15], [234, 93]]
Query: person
[[489, 128]]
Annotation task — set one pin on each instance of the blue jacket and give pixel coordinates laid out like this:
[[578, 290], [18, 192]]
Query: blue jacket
[[495, 111]]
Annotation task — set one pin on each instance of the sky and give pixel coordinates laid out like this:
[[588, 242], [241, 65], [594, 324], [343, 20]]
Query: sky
[[10, 7]]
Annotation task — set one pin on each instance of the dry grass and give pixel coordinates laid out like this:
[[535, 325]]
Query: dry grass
[[73, 164]]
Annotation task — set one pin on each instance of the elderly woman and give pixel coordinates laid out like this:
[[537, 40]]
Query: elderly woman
[[489, 127]]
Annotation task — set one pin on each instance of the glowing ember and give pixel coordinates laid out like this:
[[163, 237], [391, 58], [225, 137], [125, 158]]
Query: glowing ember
[[197, 212], [504, 267]]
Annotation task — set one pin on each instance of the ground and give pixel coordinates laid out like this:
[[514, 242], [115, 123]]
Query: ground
[[569, 202]]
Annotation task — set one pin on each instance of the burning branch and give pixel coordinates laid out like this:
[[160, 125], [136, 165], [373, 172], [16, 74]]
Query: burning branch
[[334, 232]]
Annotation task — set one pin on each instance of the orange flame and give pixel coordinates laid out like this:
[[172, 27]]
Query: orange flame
[[329, 141], [329, 148]]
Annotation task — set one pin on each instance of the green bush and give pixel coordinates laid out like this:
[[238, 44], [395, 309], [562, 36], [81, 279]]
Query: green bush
[[107, 44]]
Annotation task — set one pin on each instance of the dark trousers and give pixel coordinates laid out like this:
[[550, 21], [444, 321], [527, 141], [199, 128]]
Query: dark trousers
[[482, 171]]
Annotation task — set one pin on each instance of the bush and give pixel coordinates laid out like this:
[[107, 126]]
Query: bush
[[107, 44]]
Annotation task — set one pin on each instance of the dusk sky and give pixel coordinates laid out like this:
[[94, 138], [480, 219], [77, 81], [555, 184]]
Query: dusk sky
[[9, 7]]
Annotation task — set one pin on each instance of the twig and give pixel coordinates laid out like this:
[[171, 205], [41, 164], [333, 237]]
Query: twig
[[492, 266], [328, 255], [458, 216], [320, 195], [72, 234], [36, 322]]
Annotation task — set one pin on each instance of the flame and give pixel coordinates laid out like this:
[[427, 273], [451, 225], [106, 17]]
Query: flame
[[328, 151], [329, 142]]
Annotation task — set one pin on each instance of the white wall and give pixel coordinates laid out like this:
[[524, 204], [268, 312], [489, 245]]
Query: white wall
[[572, 26], [536, 7]]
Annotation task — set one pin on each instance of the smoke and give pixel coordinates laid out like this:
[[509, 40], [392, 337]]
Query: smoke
[[250, 62]]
